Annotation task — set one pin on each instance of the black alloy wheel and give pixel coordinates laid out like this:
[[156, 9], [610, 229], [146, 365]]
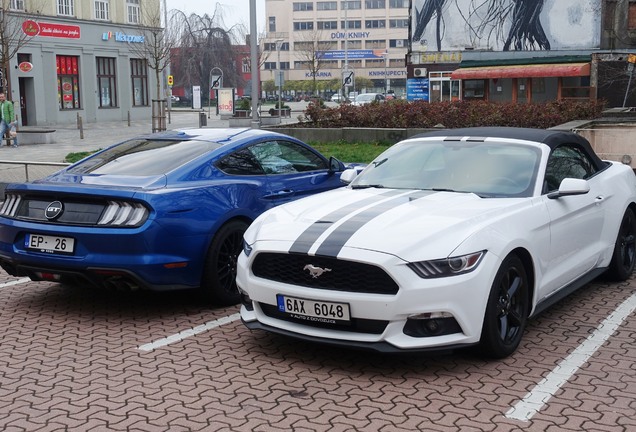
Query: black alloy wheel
[[624, 256], [506, 311], [219, 279]]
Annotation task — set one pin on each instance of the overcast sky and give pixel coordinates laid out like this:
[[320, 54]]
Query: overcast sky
[[234, 11]]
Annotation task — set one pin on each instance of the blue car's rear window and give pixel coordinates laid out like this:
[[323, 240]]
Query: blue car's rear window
[[142, 157]]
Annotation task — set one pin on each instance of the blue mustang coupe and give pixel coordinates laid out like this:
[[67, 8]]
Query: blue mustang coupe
[[163, 212]]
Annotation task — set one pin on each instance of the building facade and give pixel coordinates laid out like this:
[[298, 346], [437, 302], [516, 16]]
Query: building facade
[[322, 39], [81, 57]]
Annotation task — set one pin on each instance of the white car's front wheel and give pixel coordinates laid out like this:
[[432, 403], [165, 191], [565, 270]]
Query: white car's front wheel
[[506, 311]]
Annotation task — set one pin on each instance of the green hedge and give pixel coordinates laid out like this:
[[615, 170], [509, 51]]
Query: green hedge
[[420, 114]]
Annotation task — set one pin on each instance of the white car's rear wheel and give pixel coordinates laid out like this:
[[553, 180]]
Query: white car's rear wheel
[[506, 311]]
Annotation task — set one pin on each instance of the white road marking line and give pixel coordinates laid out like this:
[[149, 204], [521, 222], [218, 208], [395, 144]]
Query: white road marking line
[[15, 282], [189, 332], [526, 408]]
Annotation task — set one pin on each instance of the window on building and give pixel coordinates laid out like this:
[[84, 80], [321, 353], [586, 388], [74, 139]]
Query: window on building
[[303, 6], [327, 45], [284, 65], [134, 11], [375, 4], [68, 95], [300, 26], [269, 65], [355, 63], [272, 24], [17, 5], [351, 24], [303, 46], [326, 5], [66, 7], [371, 24], [327, 25], [398, 4], [106, 82], [102, 10], [352, 44], [396, 62], [139, 77], [374, 44], [246, 65], [375, 63], [271, 46], [302, 64], [399, 23], [398, 43], [351, 4]]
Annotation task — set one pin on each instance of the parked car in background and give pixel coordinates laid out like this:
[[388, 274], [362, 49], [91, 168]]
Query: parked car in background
[[337, 97], [446, 240], [162, 212], [365, 98]]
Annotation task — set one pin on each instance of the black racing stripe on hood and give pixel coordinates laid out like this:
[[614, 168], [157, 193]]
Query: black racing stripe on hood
[[305, 241], [334, 243]]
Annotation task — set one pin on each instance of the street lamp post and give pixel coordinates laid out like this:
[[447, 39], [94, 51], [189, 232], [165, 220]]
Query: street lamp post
[[386, 77], [279, 72]]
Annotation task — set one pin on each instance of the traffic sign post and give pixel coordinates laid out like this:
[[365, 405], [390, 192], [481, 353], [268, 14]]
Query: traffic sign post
[[347, 78]]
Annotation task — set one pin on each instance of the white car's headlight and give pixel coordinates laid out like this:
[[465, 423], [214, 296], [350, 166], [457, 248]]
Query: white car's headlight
[[247, 248], [444, 267]]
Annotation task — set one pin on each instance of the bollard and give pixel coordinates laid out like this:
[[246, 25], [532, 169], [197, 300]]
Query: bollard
[[78, 120], [128, 118], [81, 127]]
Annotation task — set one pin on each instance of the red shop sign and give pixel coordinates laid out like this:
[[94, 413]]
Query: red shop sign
[[25, 66]]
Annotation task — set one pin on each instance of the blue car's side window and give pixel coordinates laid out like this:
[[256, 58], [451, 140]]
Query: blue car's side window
[[284, 157], [241, 162]]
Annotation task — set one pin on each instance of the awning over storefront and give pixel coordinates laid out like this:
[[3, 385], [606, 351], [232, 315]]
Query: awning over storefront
[[523, 71]]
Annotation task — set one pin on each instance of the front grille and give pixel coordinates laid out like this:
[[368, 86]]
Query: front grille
[[336, 274], [356, 325]]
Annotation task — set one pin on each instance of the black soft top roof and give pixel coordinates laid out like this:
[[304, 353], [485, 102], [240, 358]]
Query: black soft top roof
[[551, 138]]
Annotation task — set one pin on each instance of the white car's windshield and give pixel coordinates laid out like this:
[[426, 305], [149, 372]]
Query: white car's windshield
[[487, 169], [365, 97]]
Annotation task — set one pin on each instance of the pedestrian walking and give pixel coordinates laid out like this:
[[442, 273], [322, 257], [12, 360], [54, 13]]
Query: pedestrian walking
[[8, 122]]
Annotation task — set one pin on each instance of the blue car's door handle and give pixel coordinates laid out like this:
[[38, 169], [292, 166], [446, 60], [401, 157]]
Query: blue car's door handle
[[279, 194]]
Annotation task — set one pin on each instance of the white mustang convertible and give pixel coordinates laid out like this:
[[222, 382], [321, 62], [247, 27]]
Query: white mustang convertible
[[448, 239]]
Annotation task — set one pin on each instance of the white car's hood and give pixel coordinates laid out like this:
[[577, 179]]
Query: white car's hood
[[383, 220]]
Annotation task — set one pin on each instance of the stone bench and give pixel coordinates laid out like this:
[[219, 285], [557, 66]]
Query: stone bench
[[33, 136]]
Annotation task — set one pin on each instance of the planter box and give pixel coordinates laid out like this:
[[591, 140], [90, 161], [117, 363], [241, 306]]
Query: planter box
[[242, 113], [284, 112]]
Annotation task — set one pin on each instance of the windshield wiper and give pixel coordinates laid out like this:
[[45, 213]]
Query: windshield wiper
[[378, 186]]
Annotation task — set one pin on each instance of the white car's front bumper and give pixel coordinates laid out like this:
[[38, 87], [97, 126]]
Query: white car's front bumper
[[463, 298]]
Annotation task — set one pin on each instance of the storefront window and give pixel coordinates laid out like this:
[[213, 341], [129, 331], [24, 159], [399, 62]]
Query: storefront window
[[106, 82], [139, 76], [17, 5], [68, 95]]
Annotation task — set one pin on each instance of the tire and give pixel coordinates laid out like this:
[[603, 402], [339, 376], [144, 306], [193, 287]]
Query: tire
[[219, 274], [624, 256], [506, 311]]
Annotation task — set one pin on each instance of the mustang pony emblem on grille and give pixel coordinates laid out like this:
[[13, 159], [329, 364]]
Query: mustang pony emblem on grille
[[316, 271]]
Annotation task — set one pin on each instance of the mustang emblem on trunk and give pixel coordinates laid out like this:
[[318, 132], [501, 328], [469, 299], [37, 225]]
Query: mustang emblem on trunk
[[316, 271]]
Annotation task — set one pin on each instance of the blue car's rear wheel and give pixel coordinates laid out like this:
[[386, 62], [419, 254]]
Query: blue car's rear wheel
[[506, 311], [624, 257], [219, 279]]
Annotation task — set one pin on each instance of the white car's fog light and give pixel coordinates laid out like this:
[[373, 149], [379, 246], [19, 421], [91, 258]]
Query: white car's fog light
[[245, 299], [431, 324]]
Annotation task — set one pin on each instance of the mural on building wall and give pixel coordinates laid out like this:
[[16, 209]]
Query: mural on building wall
[[505, 25]]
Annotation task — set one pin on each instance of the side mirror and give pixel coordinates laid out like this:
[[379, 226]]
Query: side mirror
[[335, 165], [571, 186], [348, 175]]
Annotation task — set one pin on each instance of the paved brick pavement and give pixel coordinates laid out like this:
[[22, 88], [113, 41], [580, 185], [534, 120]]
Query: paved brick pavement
[[70, 361]]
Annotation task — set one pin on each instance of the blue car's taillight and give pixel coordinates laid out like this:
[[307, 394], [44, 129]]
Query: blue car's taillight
[[124, 214]]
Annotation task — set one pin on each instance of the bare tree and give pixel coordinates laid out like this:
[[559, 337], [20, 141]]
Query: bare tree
[[156, 45], [16, 30], [311, 52], [203, 43]]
